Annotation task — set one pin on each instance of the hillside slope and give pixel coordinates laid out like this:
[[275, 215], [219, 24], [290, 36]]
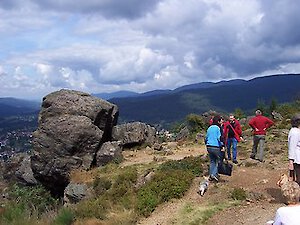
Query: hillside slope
[[13, 107], [217, 205], [175, 105]]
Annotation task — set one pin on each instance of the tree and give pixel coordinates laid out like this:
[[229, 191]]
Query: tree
[[195, 122], [273, 105], [238, 113]]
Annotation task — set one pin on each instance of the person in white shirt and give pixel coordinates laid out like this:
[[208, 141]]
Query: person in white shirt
[[294, 149], [289, 215]]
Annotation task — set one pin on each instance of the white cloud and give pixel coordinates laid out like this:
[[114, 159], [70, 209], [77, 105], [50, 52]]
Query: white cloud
[[102, 46]]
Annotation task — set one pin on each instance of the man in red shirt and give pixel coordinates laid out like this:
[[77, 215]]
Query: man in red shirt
[[259, 124], [232, 135]]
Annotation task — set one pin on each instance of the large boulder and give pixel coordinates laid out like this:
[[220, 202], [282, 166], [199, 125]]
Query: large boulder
[[72, 127], [136, 133], [102, 114]]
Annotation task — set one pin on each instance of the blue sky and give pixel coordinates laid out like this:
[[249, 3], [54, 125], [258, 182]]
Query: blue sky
[[110, 45]]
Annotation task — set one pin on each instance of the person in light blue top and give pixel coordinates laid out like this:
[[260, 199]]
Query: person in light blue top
[[214, 143]]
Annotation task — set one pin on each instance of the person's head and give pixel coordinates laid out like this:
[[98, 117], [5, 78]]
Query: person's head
[[222, 120], [216, 120], [231, 117], [295, 121], [258, 112], [292, 196], [290, 192]]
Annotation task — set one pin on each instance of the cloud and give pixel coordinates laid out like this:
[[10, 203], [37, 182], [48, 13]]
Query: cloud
[[114, 9], [10, 4], [280, 23], [110, 45]]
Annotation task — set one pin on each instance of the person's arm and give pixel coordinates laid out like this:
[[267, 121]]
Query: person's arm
[[220, 137], [268, 123], [238, 128], [277, 220], [225, 132], [252, 124], [293, 140]]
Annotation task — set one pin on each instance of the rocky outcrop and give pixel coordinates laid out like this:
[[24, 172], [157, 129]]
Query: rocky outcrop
[[108, 152], [136, 133], [183, 134], [75, 192], [72, 127], [18, 169], [102, 114], [277, 116]]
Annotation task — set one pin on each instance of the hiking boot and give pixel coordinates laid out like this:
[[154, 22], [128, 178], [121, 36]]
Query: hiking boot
[[252, 157], [213, 178], [235, 161]]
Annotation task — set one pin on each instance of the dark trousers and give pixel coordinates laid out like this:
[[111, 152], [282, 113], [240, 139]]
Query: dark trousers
[[258, 141], [297, 172]]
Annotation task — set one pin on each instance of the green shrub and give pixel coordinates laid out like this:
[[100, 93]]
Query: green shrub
[[238, 194], [164, 186], [123, 186], [35, 198], [13, 212], [190, 163], [195, 123], [92, 208], [101, 185], [65, 217], [147, 201], [171, 180]]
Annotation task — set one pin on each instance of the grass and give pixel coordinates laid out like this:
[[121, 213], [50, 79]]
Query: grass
[[64, 217], [195, 214], [115, 190], [238, 194]]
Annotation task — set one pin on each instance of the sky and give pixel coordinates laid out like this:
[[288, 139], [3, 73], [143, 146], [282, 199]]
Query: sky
[[98, 46]]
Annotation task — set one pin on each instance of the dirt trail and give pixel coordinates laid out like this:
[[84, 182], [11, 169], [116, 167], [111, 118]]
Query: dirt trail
[[259, 181]]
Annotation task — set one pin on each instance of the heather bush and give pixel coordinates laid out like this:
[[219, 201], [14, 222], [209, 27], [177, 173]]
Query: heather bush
[[101, 185], [190, 163], [238, 194], [171, 180], [35, 198], [64, 217]]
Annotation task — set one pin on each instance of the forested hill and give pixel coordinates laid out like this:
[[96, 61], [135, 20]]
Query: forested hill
[[14, 107], [222, 96]]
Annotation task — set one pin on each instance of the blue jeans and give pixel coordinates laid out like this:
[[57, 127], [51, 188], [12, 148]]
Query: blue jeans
[[232, 142], [214, 156]]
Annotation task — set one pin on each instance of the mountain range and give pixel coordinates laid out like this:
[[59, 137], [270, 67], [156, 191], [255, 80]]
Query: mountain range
[[17, 107], [224, 96], [168, 106]]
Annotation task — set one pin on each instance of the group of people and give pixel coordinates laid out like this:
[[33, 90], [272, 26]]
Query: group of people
[[222, 137], [229, 133]]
